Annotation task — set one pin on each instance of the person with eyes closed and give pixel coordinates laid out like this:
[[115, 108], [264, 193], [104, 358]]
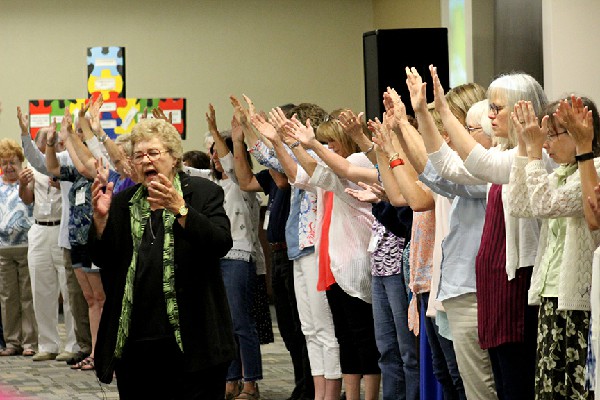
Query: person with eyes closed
[[166, 318], [560, 283]]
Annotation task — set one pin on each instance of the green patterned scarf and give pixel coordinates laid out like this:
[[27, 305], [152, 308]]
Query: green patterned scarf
[[139, 210]]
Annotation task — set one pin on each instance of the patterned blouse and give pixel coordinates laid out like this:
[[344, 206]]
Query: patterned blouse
[[15, 217], [421, 261], [80, 202]]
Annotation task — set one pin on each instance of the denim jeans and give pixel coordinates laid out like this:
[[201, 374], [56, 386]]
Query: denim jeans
[[443, 357], [396, 344], [239, 278]]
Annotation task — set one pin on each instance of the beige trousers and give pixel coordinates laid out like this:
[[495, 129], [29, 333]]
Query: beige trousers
[[474, 363], [18, 318]]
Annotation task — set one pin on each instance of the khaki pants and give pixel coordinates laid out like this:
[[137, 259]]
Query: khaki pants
[[474, 363], [18, 318], [79, 307]]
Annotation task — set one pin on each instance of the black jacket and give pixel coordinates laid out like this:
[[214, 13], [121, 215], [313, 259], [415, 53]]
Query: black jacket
[[206, 330]]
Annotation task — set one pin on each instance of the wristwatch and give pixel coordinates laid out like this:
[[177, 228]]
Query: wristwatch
[[183, 211]]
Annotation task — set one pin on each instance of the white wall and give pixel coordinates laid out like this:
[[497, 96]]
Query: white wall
[[571, 29], [276, 51]]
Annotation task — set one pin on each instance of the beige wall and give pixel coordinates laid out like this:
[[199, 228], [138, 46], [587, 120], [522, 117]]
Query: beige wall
[[275, 51], [390, 14], [571, 59]]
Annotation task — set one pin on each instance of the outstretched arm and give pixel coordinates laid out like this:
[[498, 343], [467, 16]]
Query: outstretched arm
[[338, 164], [429, 131], [302, 132], [462, 140], [404, 174]]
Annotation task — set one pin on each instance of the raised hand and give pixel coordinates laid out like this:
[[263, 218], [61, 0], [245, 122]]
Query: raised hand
[[94, 109], [158, 113], [577, 120], [251, 108], [352, 124], [527, 126], [417, 89], [23, 122], [239, 113], [382, 137], [305, 134], [25, 176], [102, 171], [51, 135], [211, 120], [101, 199], [438, 91], [264, 128], [237, 133], [278, 119], [66, 125], [144, 114]]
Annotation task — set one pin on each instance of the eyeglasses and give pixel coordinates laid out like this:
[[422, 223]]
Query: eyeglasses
[[6, 163], [553, 136], [495, 108], [473, 129], [152, 154]]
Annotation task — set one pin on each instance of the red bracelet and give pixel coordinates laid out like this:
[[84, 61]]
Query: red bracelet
[[396, 162]]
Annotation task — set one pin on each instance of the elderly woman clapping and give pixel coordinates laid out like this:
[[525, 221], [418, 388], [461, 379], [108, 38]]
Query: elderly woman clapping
[[166, 318]]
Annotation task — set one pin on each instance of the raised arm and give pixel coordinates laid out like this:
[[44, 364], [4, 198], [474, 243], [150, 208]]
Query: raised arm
[[432, 140], [220, 145], [302, 133], [245, 177], [407, 135], [463, 141], [52, 164], [579, 122], [33, 154], [338, 164], [353, 127], [76, 147], [404, 174], [284, 161], [113, 153]]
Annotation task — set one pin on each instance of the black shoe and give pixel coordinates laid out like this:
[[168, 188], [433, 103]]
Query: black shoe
[[78, 358]]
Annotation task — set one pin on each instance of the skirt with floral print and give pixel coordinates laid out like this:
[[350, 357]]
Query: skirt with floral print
[[561, 352]]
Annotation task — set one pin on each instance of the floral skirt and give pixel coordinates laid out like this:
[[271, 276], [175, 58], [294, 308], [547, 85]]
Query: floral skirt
[[561, 352]]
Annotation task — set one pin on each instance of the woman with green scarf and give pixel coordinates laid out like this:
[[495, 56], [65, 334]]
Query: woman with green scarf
[[165, 328]]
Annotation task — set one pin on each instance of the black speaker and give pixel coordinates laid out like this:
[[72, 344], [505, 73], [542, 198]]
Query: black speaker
[[387, 51]]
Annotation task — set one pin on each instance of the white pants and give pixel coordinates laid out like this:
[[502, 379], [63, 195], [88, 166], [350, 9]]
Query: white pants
[[474, 363], [47, 271], [315, 319]]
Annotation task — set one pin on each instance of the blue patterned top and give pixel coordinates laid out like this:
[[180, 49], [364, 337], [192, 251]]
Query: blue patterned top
[[80, 212], [15, 217]]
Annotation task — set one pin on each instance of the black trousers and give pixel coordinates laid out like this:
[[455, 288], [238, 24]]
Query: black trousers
[[286, 310], [355, 332], [155, 369]]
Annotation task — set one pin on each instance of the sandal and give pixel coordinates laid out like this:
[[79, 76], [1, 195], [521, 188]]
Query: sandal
[[88, 364], [28, 352], [9, 351], [80, 364], [234, 395], [249, 396]]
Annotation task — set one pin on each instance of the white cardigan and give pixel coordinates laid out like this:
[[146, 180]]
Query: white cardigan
[[535, 193], [493, 166]]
